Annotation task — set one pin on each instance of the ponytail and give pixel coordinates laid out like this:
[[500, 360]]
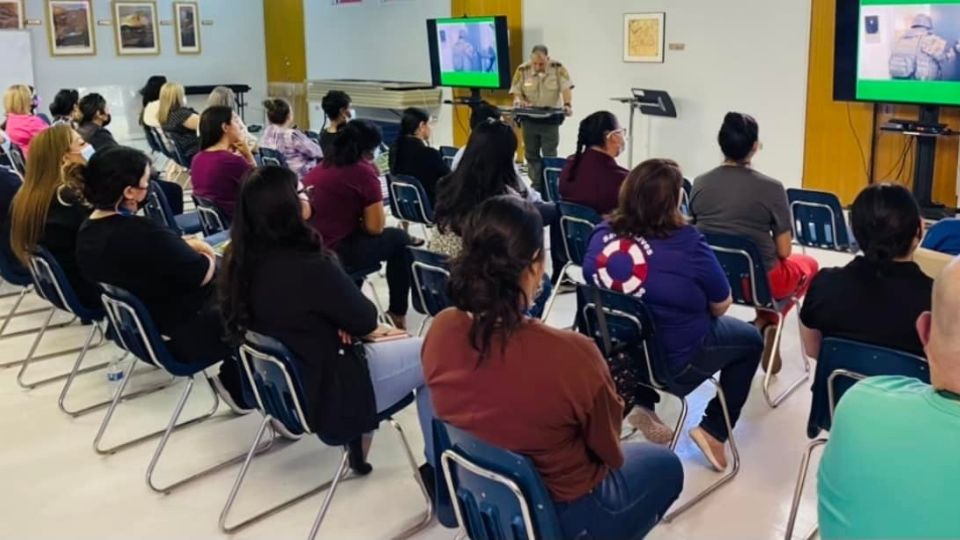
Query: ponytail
[[593, 132], [409, 124], [278, 110]]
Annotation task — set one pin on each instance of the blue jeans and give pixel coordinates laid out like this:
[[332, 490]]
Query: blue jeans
[[630, 501], [395, 371], [732, 347]]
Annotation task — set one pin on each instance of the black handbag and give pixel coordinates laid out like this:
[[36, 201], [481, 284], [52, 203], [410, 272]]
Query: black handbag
[[625, 368]]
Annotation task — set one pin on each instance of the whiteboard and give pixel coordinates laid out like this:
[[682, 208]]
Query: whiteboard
[[16, 62]]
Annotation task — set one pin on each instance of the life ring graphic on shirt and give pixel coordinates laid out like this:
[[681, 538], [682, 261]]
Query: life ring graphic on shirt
[[622, 266]]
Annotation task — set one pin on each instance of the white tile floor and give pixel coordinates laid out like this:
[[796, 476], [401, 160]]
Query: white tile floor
[[55, 486]]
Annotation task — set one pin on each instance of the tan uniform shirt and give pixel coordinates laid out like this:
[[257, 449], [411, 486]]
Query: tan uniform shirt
[[541, 89]]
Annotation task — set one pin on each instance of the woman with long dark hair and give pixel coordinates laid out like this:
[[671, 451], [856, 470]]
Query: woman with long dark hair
[[545, 393], [223, 160], [647, 249], [591, 176], [347, 199], [151, 101], [412, 155], [280, 281]]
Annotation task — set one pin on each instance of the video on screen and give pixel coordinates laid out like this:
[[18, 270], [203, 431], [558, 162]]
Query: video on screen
[[909, 42], [467, 47]]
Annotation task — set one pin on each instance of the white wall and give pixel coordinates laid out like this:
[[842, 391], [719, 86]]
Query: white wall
[[233, 52], [376, 41], [744, 55]]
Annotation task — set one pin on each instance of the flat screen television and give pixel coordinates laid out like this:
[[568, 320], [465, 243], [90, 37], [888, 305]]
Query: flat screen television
[[898, 51], [470, 52]]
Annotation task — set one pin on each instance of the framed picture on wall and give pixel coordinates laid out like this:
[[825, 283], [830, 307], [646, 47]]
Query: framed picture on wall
[[70, 28], [135, 28], [11, 14], [643, 37], [186, 17]]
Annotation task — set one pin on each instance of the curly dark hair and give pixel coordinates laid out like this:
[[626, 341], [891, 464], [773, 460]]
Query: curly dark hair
[[503, 238]]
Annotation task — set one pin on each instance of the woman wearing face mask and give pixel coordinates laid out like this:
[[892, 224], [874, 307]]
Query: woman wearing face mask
[[347, 200], [49, 209], [94, 119], [224, 159], [591, 177], [337, 107], [172, 276], [412, 155]]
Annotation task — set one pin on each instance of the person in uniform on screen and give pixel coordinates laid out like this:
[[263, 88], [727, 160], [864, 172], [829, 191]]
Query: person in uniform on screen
[[464, 53], [541, 82], [922, 55]]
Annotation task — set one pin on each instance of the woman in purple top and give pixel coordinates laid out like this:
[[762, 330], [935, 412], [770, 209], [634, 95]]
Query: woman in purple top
[[301, 153], [647, 249], [591, 177], [224, 159]]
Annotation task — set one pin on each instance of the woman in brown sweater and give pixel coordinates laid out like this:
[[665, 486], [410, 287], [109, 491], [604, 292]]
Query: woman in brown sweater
[[545, 393]]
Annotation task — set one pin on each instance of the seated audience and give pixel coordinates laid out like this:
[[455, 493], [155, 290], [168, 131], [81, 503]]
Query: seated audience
[[172, 276], [483, 113], [65, 107], [279, 280], [21, 124], [876, 297], [487, 170], [890, 467], [301, 152], [10, 182], [178, 121], [336, 107], [149, 115], [412, 155], [219, 168], [49, 209], [347, 200], [678, 277], [592, 177], [222, 96], [944, 236], [484, 360], [737, 200], [94, 119]]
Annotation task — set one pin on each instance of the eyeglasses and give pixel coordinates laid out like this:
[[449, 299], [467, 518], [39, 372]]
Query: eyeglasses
[[620, 131]]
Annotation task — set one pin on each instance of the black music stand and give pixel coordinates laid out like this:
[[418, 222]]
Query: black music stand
[[649, 103]]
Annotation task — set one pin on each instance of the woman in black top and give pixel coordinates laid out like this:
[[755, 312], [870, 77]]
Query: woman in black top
[[48, 210], [336, 107], [172, 276], [63, 108], [411, 155], [178, 121], [279, 280]]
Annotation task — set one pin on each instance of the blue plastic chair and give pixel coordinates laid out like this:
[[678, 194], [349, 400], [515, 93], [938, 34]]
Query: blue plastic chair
[[841, 364], [430, 273], [818, 220], [212, 219], [576, 224], [16, 274], [552, 167], [409, 200], [52, 285], [14, 159], [272, 157], [631, 328], [750, 286], [685, 198], [490, 492], [137, 334], [448, 153], [158, 209], [274, 374]]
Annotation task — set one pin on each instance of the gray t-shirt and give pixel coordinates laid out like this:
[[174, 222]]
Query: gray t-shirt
[[742, 202]]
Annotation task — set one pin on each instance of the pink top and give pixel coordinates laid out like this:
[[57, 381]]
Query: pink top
[[21, 128]]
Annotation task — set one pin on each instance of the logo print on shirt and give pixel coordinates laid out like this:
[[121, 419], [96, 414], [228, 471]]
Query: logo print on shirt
[[622, 265]]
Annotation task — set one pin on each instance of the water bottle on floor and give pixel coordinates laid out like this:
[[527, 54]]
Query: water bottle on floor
[[115, 374]]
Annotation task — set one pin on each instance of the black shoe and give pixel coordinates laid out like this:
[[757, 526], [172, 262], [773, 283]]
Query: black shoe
[[429, 478], [358, 462]]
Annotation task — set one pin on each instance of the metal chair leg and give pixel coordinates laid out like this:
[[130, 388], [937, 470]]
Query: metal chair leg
[[423, 325], [798, 489], [775, 402], [680, 421], [427, 516], [76, 367], [118, 397], [556, 290], [13, 313], [329, 497], [97, 406], [727, 477], [169, 488]]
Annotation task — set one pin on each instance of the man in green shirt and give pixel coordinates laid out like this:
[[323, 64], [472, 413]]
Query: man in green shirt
[[891, 468]]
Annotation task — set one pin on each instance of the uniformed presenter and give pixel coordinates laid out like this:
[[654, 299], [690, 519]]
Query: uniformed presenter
[[541, 82]]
